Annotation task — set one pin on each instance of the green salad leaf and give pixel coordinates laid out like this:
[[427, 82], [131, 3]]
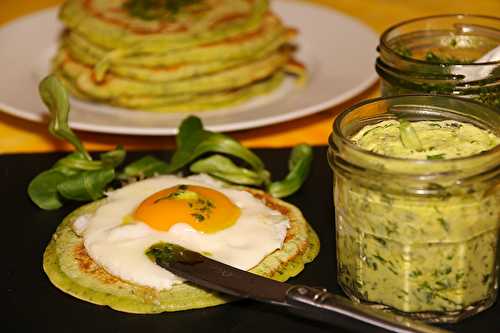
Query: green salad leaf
[[79, 177], [86, 185], [43, 189], [113, 158], [191, 134], [193, 141], [76, 176], [75, 162], [222, 167], [55, 97], [299, 166], [147, 166]]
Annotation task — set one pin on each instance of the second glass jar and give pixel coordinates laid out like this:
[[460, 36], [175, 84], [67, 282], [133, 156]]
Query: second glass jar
[[442, 55]]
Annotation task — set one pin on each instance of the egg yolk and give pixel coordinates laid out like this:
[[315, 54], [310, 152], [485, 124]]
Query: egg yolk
[[203, 208]]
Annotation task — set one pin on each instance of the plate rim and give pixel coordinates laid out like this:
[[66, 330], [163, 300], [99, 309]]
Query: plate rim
[[137, 130]]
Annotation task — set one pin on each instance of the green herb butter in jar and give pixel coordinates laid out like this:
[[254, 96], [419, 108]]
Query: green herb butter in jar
[[417, 204]]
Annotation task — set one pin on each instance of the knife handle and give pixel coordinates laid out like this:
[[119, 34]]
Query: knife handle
[[321, 305]]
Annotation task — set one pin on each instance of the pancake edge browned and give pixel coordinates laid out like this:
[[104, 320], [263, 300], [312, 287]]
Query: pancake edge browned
[[300, 247]]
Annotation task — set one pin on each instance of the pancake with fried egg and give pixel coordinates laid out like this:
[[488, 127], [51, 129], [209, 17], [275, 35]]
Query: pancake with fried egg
[[98, 255]]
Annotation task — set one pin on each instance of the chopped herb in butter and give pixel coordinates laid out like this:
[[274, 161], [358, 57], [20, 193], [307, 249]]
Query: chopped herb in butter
[[432, 140], [418, 253]]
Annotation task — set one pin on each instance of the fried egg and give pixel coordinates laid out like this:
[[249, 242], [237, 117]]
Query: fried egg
[[199, 213]]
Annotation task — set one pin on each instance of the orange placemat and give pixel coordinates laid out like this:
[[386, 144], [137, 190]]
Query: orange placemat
[[18, 135]]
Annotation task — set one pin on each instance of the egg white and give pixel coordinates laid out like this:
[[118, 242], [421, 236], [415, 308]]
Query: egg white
[[120, 247]]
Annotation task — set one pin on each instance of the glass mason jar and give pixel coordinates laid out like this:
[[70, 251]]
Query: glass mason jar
[[418, 237], [442, 55]]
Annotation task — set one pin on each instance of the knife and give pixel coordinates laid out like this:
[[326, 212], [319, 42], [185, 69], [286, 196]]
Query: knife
[[306, 301]]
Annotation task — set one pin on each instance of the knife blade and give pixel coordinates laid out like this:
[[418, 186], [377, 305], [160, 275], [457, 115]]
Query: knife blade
[[306, 301]]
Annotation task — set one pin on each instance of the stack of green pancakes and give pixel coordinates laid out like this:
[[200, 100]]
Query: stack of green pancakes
[[196, 55]]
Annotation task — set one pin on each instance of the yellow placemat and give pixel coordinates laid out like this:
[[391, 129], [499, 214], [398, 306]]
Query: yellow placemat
[[18, 135]]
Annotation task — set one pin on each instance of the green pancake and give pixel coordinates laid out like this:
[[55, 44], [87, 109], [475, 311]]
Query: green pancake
[[69, 268], [187, 102], [177, 65], [107, 24], [207, 55], [114, 86], [202, 102], [270, 37]]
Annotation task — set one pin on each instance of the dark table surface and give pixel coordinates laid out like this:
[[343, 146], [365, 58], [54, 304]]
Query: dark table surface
[[33, 304]]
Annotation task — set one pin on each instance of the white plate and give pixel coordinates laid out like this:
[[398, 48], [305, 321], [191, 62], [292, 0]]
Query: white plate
[[338, 51]]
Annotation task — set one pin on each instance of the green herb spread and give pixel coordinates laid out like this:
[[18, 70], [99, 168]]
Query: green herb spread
[[418, 253], [440, 139]]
